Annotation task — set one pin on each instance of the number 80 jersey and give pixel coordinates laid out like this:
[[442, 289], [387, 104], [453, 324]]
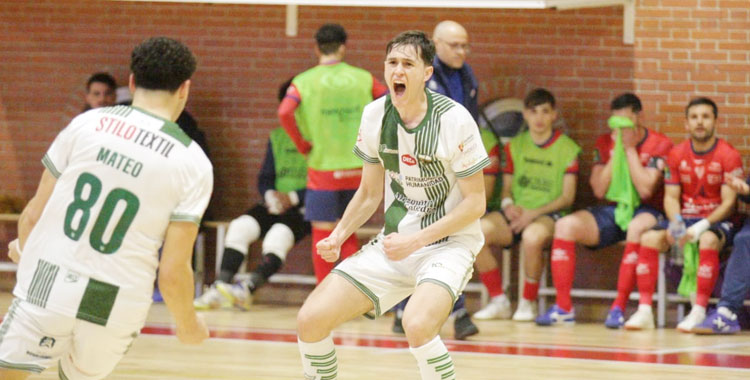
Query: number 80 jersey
[[122, 176]]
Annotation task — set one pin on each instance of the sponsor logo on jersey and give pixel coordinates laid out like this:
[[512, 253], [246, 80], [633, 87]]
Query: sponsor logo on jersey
[[408, 159], [699, 171], [47, 341], [714, 167]]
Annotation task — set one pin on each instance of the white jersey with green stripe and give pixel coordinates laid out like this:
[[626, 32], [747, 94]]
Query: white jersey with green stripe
[[122, 176], [422, 164]]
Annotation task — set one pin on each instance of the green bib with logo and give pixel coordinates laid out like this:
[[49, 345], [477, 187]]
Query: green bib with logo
[[291, 169], [333, 97], [538, 172]]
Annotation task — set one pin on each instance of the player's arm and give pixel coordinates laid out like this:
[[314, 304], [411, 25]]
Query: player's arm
[[601, 176], [364, 203], [176, 281], [565, 200], [645, 179], [672, 206], [726, 208], [489, 185], [33, 211], [286, 117]]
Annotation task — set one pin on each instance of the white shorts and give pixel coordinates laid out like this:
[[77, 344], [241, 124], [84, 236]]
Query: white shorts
[[387, 282], [33, 339]]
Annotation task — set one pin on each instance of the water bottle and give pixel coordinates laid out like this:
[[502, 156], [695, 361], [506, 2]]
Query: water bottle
[[677, 229]]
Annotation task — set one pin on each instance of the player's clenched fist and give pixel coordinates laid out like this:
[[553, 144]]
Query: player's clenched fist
[[329, 249], [14, 251], [398, 246], [194, 332]]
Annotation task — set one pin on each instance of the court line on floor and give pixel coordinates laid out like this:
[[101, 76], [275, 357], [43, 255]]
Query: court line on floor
[[703, 359]]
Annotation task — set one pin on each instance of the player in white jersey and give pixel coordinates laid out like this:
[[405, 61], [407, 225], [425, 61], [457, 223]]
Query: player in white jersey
[[427, 151], [119, 182]]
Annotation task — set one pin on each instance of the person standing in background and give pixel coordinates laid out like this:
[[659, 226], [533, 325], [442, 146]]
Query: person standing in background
[[321, 113]]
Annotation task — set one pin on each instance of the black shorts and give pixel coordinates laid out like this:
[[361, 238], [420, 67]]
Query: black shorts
[[292, 218]]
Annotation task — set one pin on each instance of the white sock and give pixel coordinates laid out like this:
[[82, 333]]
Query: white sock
[[434, 361], [319, 359]]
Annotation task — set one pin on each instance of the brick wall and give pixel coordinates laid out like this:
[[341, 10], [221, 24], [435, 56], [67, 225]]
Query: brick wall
[[48, 48]]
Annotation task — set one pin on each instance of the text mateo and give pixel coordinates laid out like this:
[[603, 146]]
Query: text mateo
[[150, 140]]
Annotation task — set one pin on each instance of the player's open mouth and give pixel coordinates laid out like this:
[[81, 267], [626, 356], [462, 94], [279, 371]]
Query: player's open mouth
[[399, 88]]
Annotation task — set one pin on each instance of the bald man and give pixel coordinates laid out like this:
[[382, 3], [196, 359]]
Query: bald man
[[455, 79]]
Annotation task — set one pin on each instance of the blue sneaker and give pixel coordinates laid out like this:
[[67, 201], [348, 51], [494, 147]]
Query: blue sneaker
[[615, 318], [556, 316], [721, 321]]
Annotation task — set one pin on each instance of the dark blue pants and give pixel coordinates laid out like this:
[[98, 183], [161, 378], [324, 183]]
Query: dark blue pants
[[737, 276], [460, 304]]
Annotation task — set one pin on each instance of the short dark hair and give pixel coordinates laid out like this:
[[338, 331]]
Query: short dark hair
[[418, 39], [161, 63], [329, 37], [537, 97], [102, 77], [282, 89], [626, 100], [703, 100]]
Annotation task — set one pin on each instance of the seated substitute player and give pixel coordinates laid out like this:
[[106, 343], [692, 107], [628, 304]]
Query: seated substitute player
[[100, 91], [279, 221], [595, 227], [736, 284], [539, 186], [119, 183], [694, 191], [427, 151]]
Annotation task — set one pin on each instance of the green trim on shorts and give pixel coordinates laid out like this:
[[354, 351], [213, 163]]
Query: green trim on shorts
[[5, 326], [367, 292], [21, 367], [438, 282], [60, 372]]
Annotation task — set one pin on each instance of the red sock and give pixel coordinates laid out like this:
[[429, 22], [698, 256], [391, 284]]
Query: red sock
[[530, 290], [320, 266], [647, 272], [350, 247], [563, 263], [708, 271], [493, 281], [626, 278]]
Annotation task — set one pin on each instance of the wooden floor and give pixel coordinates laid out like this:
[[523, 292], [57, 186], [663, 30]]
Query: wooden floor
[[261, 344]]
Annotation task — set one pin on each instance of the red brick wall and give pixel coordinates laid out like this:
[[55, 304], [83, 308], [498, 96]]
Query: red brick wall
[[48, 48], [686, 48]]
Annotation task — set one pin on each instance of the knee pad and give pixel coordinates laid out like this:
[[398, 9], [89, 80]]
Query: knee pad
[[279, 240], [242, 232]]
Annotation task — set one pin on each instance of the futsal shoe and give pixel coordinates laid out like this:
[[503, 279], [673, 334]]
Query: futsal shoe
[[615, 318], [526, 311], [212, 299], [556, 316], [497, 308], [643, 319], [722, 321], [696, 317], [238, 293], [463, 327]]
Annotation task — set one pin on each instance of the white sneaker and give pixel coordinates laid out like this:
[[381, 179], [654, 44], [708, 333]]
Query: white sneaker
[[212, 299], [696, 317], [497, 308], [238, 293], [526, 311], [643, 319]]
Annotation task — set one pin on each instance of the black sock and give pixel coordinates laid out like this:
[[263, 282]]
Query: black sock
[[230, 264], [270, 265]]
